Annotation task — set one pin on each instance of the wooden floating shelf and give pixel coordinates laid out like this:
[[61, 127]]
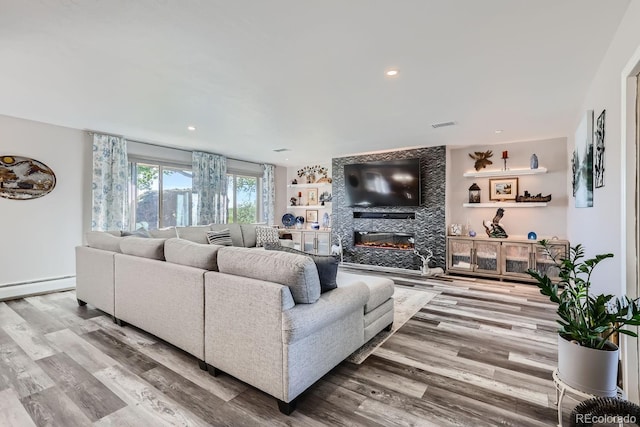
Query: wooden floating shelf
[[510, 172], [506, 205]]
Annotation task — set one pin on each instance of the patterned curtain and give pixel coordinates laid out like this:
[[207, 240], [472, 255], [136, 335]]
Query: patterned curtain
[[268, 193], [109, 188], [210, 184]]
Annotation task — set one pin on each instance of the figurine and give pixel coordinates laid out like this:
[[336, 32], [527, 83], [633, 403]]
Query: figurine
[[294, 201], [426, 271], [494, 229], [482, 159]]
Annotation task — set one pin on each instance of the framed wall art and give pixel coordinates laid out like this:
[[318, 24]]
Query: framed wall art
[[503, 189], [22, 178]]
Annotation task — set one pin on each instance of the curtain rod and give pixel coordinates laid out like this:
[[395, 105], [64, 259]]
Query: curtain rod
[[94, 132]]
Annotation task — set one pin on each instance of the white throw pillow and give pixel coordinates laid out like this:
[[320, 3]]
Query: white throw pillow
[[266, 235]]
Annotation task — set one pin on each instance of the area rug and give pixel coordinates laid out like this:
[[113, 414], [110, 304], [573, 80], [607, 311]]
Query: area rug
[[407, 302]]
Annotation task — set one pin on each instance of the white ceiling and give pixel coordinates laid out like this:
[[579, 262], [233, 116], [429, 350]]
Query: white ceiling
[[255, 75]]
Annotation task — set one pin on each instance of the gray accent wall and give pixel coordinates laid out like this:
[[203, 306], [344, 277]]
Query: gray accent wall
[[428, 227]]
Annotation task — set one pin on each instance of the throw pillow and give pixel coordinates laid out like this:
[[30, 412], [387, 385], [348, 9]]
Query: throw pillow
[[266, 235], [221, 237], [327, 265]]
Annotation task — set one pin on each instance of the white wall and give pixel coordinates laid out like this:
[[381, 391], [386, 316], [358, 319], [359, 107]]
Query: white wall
[[39, 235], [606, 226], [518, 222]]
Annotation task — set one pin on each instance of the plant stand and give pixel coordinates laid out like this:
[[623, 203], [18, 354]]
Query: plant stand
[[562, 388]]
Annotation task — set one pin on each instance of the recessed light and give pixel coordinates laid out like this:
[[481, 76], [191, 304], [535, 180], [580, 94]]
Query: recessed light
[[391, 72], [191, 128], [498, 131]]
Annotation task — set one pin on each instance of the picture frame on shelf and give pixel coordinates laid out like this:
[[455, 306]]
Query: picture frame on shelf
[[503, 189], [312, 196], [311, 215]]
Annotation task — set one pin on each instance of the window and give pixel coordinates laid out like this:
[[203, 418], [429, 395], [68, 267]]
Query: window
[[244, 196], [161, 195]]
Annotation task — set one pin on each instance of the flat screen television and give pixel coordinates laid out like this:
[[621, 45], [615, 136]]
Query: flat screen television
[[388, 183]]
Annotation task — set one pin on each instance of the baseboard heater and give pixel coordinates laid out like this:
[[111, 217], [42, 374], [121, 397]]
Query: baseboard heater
[[385, 215], [36, 287]]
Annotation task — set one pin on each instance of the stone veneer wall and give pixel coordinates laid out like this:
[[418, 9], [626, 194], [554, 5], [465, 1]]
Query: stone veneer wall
[[428, 228]]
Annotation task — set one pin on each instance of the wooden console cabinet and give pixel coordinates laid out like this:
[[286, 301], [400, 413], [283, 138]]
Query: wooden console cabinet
[[502, 258]]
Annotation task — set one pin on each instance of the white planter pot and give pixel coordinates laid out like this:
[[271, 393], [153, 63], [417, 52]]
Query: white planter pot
[[587, 369]]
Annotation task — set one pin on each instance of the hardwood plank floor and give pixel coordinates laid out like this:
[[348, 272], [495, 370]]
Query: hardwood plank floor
[[479, 354]]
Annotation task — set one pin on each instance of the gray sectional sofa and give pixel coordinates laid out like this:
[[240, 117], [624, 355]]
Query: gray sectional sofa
[[255, 314]]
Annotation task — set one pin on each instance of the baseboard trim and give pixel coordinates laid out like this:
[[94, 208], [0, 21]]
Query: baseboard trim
[[26, 289]]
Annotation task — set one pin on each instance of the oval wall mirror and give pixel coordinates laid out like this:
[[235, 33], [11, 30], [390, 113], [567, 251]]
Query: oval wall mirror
[[22, 178]]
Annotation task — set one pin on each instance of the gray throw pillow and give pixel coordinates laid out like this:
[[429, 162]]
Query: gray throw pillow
[[327, 265]]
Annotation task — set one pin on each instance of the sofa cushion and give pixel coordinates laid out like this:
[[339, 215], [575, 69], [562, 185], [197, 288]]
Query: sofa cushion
[[140, 232], [248, 235], [327, 265], [222, 237], [165, 233], [146, 248], [194, 233], [298, 272], [381, 288], [185, 252], [266, 235], [103, 240], [234, 229]]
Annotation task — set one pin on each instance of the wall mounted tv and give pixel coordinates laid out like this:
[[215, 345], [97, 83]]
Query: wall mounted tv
[[388, 183]]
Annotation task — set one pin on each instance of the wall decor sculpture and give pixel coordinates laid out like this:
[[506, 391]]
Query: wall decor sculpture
[[598, 164], [584, 156], [23, 178]]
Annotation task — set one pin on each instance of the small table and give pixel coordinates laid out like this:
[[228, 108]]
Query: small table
[[562, 387]]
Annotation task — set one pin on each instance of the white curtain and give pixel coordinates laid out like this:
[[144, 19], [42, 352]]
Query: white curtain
[[110, 183], [210, 184], [268, 193]]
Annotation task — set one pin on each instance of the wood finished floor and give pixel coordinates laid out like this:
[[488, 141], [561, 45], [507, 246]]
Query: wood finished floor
[[480, 354]]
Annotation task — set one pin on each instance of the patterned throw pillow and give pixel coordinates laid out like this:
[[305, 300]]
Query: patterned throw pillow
[[220, 237], [266, 235]]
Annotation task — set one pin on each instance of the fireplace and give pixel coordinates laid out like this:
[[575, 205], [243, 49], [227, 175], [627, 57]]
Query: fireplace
[[383, 240]]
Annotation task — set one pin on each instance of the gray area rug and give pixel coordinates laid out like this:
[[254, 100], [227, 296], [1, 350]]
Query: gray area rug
[[407, 302]]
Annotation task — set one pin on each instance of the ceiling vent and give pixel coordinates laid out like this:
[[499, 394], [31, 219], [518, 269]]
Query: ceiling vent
[[281, 150], [442, 125]]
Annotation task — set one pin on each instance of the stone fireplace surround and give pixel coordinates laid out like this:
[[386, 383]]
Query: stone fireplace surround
[[426, 223]]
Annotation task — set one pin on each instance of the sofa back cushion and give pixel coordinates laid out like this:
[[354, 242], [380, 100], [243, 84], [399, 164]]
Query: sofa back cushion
[[194, 233], [198, 255], [234, 230], [298, 272], [103, 240], [143, 247], [165, 233], [248, 235]]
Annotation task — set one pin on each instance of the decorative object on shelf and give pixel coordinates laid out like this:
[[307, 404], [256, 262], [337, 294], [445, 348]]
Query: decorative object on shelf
[[587, 359], [314, 226], [288, 220], [494, 228], [326, 220], [299, 198], [310, 172], [505, 156], [311, 216], [501, 189], [472, 233], [299, 222], [474, 193], [325, 197], [22, 178], [528, 197], [425, 270], [482, 159], [584, 156], [598, 165], [456, 229], [312, 196], [533, 162], [532, 235], [294, 182], [293, 201]]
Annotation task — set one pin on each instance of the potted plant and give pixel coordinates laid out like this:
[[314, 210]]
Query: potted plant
[[587, 359]]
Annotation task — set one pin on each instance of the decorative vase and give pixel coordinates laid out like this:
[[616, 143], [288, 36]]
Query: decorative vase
[[534, 161], [587, 369]]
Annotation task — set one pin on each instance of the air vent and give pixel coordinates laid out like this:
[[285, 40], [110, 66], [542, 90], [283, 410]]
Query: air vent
[[281, 150], [442, 125]]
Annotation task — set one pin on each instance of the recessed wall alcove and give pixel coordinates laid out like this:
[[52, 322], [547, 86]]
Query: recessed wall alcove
[[426, 223]]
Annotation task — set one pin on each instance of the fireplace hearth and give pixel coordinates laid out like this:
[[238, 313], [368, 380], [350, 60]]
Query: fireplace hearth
[[383, 240]]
